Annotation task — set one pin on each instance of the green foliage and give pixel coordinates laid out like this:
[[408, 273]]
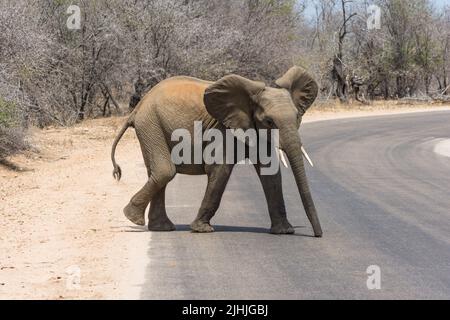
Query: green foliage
[[8, 114], [12, 134]]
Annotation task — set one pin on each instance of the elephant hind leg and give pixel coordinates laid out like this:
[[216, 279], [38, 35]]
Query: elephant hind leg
[[160, 171], [157, 215], [135, 210]]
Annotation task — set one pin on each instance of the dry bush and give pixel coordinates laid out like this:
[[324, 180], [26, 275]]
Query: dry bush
[[12, 140], [54, 75], [12, 130]]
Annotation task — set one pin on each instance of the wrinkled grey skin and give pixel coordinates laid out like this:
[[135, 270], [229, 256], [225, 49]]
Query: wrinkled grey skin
[[231, 102]]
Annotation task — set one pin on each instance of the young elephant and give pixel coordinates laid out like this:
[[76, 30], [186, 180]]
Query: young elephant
[[232, 102]]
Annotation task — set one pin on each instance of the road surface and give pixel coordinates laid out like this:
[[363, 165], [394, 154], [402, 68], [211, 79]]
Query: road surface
[[383, 197]]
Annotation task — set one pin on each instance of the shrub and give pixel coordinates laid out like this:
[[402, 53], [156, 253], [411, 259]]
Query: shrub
[[12, 130], [8, 114]]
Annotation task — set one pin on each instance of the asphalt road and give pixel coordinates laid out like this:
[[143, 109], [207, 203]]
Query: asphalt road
[[383, 197]]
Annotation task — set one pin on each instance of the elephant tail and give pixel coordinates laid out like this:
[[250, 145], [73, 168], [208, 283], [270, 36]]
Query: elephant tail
[[117, 173]]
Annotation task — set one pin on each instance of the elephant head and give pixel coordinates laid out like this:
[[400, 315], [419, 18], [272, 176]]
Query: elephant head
[[238, 102]]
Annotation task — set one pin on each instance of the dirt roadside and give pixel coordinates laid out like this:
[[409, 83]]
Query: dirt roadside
[[63, 235]]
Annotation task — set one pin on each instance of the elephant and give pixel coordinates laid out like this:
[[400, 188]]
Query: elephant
[[232, 102]]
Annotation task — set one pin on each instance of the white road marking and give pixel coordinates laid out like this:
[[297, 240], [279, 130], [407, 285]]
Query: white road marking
[[443, 147]]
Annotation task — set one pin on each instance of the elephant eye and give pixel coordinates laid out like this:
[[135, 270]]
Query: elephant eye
[[268, 122]]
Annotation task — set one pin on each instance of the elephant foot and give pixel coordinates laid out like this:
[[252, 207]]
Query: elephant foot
[[135, 214], [161, 225], [201, 227], [282, 228]]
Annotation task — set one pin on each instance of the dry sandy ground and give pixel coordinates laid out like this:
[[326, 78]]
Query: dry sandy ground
[[62, 219], [63, 235]]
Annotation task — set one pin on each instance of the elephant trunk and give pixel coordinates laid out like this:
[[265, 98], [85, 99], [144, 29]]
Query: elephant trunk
[[291, 143]]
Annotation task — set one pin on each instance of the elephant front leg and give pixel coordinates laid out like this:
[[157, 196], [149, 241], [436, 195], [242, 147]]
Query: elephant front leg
[[157, 215], [272, 186], [218, 176]]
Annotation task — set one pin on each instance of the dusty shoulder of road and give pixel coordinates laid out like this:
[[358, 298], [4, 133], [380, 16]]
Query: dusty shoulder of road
[[332, 111], [63, 235]]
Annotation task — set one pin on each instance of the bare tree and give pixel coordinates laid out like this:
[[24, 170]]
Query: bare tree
[[338, 72]]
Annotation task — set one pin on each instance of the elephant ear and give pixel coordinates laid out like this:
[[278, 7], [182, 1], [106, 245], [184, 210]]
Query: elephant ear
[[230, 101], [301, 85]]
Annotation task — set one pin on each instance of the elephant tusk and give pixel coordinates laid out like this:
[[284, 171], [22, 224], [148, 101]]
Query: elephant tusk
[[307, 156], [282, 158]]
